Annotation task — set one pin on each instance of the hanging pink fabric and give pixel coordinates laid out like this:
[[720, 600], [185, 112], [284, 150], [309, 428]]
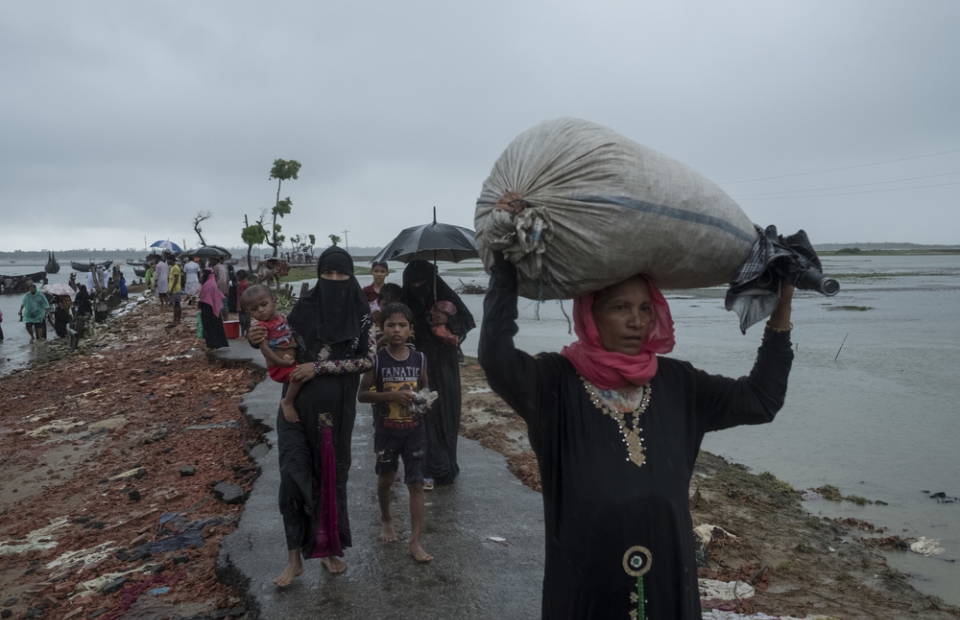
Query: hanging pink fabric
[[608, 370], [328, 527]]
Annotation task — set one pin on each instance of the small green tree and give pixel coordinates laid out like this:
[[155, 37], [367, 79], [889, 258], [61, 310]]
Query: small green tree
[[303, 243], [282, 170], [253, 234], [334, 239]]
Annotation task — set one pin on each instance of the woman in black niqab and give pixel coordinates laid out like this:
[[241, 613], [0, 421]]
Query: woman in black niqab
[[336, 345], [422, 288]]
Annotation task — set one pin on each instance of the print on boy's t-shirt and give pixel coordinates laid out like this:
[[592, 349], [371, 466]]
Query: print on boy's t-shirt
[[393, 375]]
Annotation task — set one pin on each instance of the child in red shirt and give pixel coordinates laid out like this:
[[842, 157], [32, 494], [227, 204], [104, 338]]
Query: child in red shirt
[[280, 346]]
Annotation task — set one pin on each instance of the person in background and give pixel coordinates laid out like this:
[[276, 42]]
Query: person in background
[[72, 283], [233, 298], [33, 312], [124, 293], [223, 283], [173, 288], [210, 305], [1, 325], [422, 288], [242, 285], [191, 270], [162, 273], [84, 307], [61, 315], [148, 277], [379, 271]]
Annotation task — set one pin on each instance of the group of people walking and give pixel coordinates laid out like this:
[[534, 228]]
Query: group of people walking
[[338, 335], [615, 426]]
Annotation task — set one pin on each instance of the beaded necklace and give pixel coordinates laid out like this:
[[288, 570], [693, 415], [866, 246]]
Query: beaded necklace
[[619, 406]]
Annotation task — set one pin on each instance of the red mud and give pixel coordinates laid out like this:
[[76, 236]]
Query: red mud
[[120, 405]]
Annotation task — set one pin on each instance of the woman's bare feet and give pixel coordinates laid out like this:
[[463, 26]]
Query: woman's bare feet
[[387, 533], [418, 553], [333, 564], [293, 569]]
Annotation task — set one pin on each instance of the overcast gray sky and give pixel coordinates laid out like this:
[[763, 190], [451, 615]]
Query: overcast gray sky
[[121, 120]]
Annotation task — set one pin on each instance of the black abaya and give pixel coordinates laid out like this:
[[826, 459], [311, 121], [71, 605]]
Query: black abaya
[[213, 333], [333, 328], [442, 421], [598, 505]]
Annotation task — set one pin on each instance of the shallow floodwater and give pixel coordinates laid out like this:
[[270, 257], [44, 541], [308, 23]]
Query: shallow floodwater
[[880, 421]]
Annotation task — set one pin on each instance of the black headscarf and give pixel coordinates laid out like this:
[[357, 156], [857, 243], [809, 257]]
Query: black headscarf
[[331, 312], [83, 301], [419, 280], [418, 283]]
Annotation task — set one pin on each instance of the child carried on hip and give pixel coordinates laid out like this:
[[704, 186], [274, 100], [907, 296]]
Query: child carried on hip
[[279, 348]]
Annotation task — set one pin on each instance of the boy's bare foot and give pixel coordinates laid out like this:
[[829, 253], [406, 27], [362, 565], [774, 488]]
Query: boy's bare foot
[[289, 412], [293, 569], [333, 564], [418, 553], [387, 533]]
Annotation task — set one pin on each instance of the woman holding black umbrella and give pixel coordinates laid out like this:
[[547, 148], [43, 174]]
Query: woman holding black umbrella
[[423, 290]]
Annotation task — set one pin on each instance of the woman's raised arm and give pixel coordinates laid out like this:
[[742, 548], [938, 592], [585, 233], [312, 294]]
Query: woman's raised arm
[[510, 372]]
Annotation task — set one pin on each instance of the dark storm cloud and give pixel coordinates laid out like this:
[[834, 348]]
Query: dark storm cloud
[[123, 120]]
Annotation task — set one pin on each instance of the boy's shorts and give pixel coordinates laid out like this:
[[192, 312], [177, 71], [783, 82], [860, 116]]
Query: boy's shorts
[[411, 448], [175, 300], [281, 374]]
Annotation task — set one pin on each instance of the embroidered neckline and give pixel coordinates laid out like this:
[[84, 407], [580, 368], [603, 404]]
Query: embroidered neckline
[[629, 429]]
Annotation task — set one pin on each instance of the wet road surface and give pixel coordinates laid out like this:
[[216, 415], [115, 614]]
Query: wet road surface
[[470, 577]]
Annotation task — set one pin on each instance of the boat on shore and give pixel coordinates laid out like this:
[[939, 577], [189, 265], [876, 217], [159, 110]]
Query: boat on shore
[[13, 285], [85, 267]]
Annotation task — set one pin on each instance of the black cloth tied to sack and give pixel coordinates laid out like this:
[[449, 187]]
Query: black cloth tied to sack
[[332, 325], [774, 259], [421, 289]]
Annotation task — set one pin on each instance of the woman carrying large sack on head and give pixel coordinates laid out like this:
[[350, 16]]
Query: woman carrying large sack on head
[[616, 430], [572, 209]]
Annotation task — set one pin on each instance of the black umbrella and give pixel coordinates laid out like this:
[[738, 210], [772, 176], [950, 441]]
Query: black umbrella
[[209, 251], [437, 241], [431, 241]]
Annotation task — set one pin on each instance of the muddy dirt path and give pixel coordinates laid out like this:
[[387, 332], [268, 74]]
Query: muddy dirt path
[[797, 564]]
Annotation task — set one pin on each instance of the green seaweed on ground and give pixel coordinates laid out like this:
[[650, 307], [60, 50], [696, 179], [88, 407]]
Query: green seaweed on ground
[[830, 492], [856, 499], [775, 483]]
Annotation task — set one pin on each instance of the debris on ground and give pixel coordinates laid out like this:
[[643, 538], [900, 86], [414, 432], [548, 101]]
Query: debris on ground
[[106, 502]]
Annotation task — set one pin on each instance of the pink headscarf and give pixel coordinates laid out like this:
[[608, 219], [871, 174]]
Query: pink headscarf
[[210, 293], [608, 370]]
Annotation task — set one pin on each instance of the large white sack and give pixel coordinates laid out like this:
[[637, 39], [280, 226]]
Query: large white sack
[[603, 208]]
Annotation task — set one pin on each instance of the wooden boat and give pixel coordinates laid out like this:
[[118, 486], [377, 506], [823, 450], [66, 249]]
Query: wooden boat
[[52, 265], [12, 285], [139, 272], [85, 267]]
